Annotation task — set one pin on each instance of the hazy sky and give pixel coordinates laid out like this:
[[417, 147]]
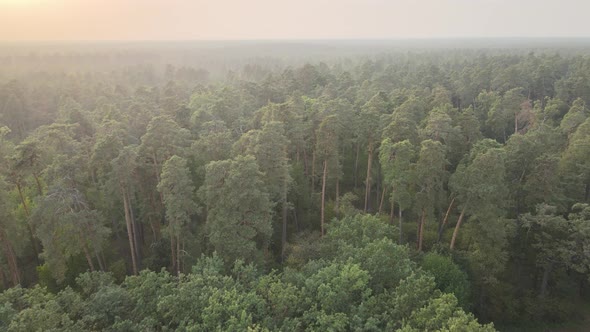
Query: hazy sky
[[289, 19]]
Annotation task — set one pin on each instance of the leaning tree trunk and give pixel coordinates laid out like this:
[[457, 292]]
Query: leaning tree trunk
[[130, 235], [10, 256], [456, 231], [39, 187], [368, 179], [323, 208], [444, 221], [86, 252], [382, 199], [136, 233]]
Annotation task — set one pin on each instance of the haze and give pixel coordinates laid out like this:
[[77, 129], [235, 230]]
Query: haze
[[22, 20]]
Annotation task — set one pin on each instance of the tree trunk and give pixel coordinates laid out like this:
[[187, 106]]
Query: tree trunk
[[382, 199], [100, 262], [178, 255], [156, 167], [29, 227], [368, 179], [136, 233], [39, 187], [400, 223], [157, 173], [172, 254], [323, 208], [296, 219], [284, 215], [545, 280], [3, 282], [392, 208], [337, 202], [356, 165], [444, 221], [10, 256], [87, 254], [155, 224], [456, 231], [421, 230], [130, 236], [305, 163], [312, 172], [22, 199], [284, 233]]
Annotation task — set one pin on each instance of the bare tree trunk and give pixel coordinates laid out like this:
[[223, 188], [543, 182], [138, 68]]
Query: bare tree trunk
[[323, 208], [284, 232], [305, 162], [130, 236], [87, 254], [155, 224], [392, 208], [100, 262], [382, 199], [312, 172], [296, 219], [178, 255], [456, 231], [10, 258], [337, 202], [156, 167], [441, 228], [3, 282], [421, 230], [368, 179], [356, 165], [136, 234], [172, 253], [400, 223]]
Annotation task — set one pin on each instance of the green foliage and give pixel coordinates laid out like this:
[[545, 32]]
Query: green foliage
[[448, 276], [370, 285], [239, 212], [493, 142]]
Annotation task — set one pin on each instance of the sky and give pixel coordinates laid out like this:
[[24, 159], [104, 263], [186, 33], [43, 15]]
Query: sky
[[68, 20]]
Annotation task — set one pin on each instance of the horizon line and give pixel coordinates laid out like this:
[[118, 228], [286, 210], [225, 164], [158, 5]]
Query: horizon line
[[442, 38]]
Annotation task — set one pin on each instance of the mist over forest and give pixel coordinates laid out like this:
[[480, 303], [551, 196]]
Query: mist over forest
[[295, 185]]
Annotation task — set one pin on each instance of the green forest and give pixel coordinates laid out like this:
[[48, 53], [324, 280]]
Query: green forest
[[238, 187]]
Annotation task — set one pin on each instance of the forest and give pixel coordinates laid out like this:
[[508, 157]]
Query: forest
[[340, 187]]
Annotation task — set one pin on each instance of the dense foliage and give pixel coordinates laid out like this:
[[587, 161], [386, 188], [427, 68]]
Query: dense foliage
[[370, 285], [388, 191]]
